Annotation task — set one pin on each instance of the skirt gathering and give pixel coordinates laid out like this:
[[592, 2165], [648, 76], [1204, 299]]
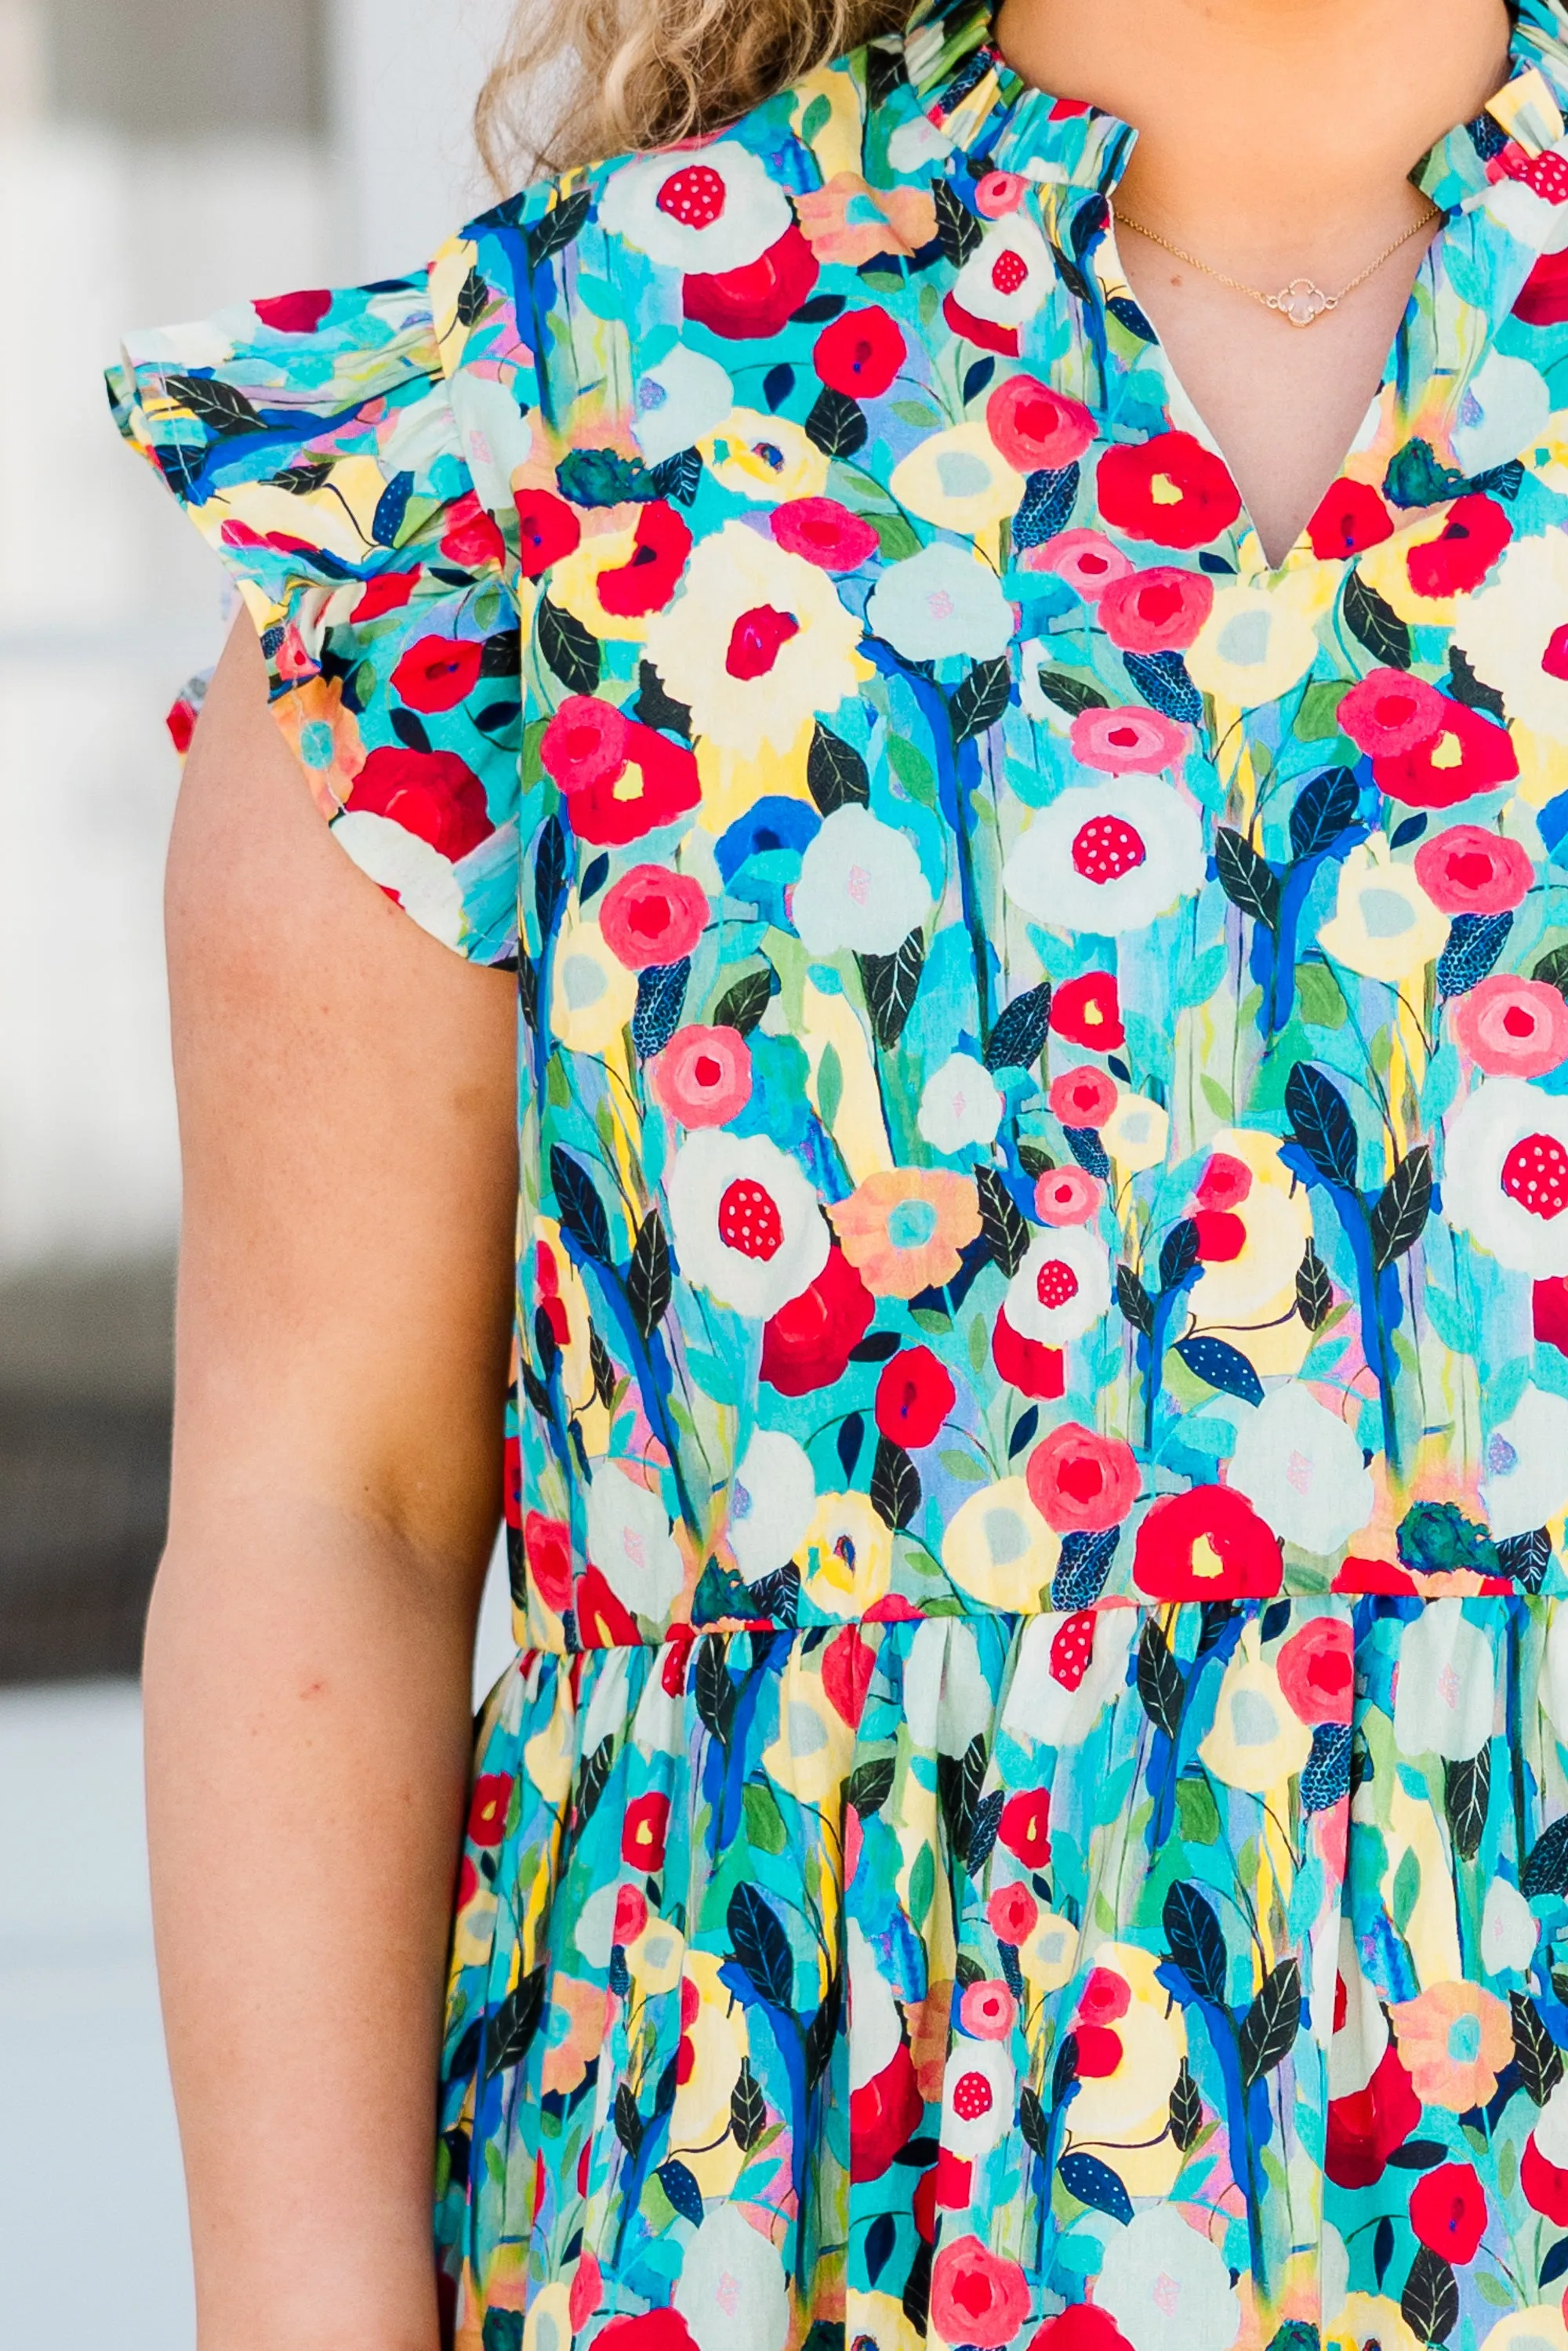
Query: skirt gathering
[[1167, 1978]]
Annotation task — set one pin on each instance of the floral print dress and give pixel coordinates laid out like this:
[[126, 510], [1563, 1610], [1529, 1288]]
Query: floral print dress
[[1030, 1808]]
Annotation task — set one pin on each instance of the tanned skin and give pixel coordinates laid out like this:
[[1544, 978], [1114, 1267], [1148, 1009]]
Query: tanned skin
[[1276, 138], [347, 1112]]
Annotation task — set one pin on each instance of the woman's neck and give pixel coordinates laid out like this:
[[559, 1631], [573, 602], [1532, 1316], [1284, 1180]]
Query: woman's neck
[[1274, 134]]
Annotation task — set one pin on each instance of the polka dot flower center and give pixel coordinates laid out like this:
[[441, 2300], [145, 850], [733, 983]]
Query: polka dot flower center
[[749, 1220], [1106, 848], [1056, 1283], [694, 196], [1008, 272], [972, 2097], [1535, 1174]]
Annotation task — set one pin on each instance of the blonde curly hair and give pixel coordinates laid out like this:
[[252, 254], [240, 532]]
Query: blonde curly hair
[[584, 78]]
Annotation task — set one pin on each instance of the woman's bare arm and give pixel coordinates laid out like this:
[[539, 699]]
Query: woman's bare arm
[[346, 1104]]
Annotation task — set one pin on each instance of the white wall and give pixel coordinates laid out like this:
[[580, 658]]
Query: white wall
[[404, 77], [107, 599]]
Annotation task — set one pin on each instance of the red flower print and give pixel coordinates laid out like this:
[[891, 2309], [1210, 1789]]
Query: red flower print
[[1449, 2212], [1088, 1012], [859, 353], [438, 672], [645, 1828], [1081, 1483], [1085, 1097], [996, 193], [1107, 1997], [1543, 297], [1222, 1237], [648, 2330], [587, 2292], [646, 581], [824, 533], [471, 536], [1082, 2328], [847, 1663], [652, 915], [1468, 871], [1544, 2185], [1027, 1365], [1364, 2128], [976, 2298], [1035, 429], [1457, 560], [547, 529], [1159, 610], [703, 1077], [1012, 1914], [806, 1345], [1469, 754], [1391, 712], [884, 2115], [1351, 519], [512, 1481], [1316, 1671], [1550, 1312], [1169, 489], [1207, 1544], [487, 1808], [432, 793], [631, 1915], [1003, 340], [1511, 1026], [622, 779], [913, 1397], [601, 1622], [752, 303], [547, 1548], [295, 314], [1025, 1827], [389, 593], [1225, 1184]]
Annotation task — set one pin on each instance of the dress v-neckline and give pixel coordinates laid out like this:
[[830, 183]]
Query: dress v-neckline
[[1184, 414]]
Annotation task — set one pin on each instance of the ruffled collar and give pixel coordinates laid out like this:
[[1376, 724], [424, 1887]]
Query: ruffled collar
[[967, 90]]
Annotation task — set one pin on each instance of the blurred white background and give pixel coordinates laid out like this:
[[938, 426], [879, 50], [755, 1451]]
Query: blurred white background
[[158, 160]]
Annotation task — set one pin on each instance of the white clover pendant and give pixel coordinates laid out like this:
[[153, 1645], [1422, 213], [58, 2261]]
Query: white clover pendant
[[1303, 301]]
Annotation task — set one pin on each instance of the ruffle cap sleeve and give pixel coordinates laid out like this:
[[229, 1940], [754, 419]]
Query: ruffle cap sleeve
[[313, 441]]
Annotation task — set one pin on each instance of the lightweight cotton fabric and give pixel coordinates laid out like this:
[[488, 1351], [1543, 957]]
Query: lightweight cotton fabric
[[1030, 1809]]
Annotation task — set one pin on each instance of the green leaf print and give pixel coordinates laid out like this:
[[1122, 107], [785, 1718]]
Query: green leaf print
[[1400, 1217], [1270, 2027]]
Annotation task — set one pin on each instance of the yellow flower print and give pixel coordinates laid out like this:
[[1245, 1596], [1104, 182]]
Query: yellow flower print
[[1049, 1958], [713, 2048], [815, 1746], [1364, 2320], [756, 641], [593, 995], [1139, 2039], [764, 457], [960, 479], [849, 1554], [1255, 1291], [1136, 1133], [574, 585], [1256, 645], [1257, 1741], [1383, 924], [999, 1550]]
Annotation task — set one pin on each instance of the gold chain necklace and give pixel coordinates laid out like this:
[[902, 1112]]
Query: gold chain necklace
[[1303, 301]]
